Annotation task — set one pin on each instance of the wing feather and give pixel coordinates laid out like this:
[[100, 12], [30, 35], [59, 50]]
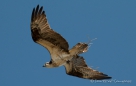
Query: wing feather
[[43, 34], [77, 67]]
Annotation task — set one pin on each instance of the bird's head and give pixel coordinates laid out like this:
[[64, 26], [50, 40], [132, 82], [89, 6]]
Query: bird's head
[[48, 65]]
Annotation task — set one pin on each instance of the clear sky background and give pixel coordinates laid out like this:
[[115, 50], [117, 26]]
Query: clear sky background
[[112, 22]]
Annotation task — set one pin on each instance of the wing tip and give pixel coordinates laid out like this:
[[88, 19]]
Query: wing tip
[[107, 77], [36, 11], [101, 77]]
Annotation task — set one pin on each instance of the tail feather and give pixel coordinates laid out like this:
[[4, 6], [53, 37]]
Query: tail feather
[[79, 48]]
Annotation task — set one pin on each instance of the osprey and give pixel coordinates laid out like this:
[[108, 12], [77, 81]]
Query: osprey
[[58, 48]]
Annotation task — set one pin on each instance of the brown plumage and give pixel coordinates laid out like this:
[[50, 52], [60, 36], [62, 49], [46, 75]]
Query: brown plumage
[[58, 48], [41, 31], [51, 40], [77, 67]]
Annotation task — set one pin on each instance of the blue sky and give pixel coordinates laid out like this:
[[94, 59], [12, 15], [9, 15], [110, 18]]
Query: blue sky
[[112, 22]]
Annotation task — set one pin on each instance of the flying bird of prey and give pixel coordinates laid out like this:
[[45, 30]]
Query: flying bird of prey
[[58, 48]]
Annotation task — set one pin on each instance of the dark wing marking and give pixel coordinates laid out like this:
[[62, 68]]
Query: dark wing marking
[[77, 67], [43, 34]]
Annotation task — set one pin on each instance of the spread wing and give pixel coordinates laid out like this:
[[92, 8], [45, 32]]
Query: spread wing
[[43, 34], [77, 67]]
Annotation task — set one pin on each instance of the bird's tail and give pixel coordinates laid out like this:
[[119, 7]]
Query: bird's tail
[[79, 48]]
